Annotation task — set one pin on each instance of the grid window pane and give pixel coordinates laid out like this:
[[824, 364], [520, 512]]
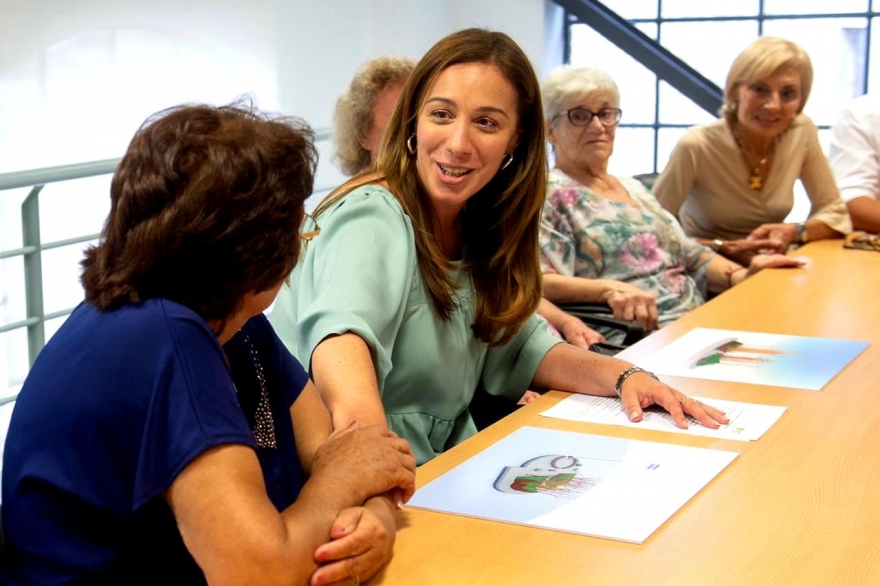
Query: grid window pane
[[635, 82], [814, 6], [51, 326], [708, 47], [633, 152], [649, 28], [667, 138], [825, 139], [696, 8], [676, 108], [14, 361], [631, 9], [12, 302], [874, 58], [10, 217], [801, 208], [61, 270], [74, 208], [836, 47]]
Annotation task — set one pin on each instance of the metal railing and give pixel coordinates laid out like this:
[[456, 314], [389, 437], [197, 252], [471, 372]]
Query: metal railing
[[647, 51], [33, 246]]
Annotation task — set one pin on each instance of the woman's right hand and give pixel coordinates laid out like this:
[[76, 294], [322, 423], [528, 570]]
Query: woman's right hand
[[368, 462], [630, 303]]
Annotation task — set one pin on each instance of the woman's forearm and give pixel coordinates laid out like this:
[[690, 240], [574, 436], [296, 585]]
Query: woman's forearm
[[562, 289], [343, 371], [818, 230], [572, 369], [722, 274]]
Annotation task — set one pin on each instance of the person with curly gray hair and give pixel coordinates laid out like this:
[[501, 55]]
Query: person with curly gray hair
[[363, 112]]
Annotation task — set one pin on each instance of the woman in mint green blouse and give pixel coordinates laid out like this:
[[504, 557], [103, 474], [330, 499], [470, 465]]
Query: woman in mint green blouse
[[423, 281]]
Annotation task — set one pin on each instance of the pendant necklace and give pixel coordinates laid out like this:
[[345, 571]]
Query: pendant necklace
[[755, 181]]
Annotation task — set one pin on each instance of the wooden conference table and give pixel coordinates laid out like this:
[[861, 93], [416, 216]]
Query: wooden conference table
[[799, 506]]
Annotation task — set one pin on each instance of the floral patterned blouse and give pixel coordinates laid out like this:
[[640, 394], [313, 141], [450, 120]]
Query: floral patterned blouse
[[586, 235]]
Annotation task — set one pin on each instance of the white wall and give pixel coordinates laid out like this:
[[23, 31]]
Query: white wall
[[320, 46], [78, 77]]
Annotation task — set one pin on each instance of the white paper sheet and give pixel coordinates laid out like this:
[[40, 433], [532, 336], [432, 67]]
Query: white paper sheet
[[748, 421], [798, 362], [594, 485]]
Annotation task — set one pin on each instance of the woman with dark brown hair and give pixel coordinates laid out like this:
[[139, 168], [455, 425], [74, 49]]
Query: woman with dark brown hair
[[164, 434], [424, 280]]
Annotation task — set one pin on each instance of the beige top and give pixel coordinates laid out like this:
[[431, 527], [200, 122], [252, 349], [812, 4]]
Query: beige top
[[706, 182]]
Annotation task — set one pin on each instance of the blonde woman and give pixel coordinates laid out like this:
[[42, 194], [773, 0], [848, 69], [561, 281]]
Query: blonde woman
[[731, 182]]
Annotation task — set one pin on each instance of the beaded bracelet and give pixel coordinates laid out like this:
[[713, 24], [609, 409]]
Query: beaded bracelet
[[618, 386]]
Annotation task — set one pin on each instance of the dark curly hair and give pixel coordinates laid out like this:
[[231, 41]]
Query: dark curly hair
[[205, 208]]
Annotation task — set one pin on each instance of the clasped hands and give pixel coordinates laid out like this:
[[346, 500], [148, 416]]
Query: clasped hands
[[370, 465], [765, 239]]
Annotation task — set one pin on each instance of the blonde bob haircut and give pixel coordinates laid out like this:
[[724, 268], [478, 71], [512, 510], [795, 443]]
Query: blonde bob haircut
[[500, 223], [353, 116], [758, 61], [568, 82]]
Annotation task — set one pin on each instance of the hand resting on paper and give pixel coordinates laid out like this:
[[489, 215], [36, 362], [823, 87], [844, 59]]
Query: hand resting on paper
[[575, 370], [641, 390]]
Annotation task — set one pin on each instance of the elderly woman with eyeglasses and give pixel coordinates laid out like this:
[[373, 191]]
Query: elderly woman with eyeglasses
[[605, 238]]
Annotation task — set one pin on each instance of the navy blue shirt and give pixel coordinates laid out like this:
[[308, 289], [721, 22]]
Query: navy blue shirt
[[115, 407]]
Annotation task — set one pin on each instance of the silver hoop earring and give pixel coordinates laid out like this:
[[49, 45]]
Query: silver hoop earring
[[411, 144], [506, 161]]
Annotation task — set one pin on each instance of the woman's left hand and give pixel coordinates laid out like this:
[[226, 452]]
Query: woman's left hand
[[579, 334], [362, 540], [772, 261], [784, 234], [641, 390]]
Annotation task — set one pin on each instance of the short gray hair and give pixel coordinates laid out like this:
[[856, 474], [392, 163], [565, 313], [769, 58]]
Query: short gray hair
[[353, 116], [567, 81]]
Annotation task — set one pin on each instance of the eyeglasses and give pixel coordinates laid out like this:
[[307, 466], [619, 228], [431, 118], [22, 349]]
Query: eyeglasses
[[306, 236], [583, 117]]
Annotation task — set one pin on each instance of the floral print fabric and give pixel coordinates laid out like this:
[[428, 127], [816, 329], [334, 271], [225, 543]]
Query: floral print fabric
[[586, 235]]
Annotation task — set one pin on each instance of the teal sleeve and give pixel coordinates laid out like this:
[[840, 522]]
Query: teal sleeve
[[510, 369], [355, 276]]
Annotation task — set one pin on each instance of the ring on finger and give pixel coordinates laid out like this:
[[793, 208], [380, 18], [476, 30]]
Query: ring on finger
[[685, 398]]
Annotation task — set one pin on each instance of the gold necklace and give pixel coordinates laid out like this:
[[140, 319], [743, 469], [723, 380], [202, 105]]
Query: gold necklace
[[755, 181]]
